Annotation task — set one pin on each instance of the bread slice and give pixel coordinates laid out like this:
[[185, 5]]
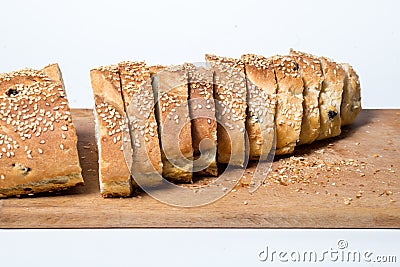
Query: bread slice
[[171, 93], [289, 109], [230, 93], [351, 97], [261, 101], [204, 124], [330, 98], [139, 106], [311, 73], [38, 151], [114, 174]]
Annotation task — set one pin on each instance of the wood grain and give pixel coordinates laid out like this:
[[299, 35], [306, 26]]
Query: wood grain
[[372, 139]]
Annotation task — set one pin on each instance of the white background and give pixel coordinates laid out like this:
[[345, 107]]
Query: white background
[[190, 248], [80, 35]]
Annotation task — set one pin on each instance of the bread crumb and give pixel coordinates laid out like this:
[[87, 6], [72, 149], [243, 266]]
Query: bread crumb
[[347, 201], [245, 202], [386, 192]]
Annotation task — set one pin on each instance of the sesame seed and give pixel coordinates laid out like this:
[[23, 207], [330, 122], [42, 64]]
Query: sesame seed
[[64, 128]]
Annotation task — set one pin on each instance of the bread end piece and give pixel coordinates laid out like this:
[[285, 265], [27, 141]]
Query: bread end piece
[[351, 98], [39, 153]]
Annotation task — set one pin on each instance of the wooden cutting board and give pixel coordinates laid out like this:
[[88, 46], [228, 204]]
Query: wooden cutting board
[[352, 181]]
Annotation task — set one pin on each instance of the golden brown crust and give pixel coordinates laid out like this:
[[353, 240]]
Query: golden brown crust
[[37, 137], [114, 174], [202, 114], [230, 92], [351, 98], [171, 89], [261, 101], [139, 105], [154, 69], [311, 73], [330, 98], [289, 109], [54, 184]]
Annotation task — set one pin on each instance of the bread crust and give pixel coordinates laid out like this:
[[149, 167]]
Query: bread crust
[[261, 101], [38, 151], [171, 89], [289, 109], [311, 73], [351, 98], [202, 114], [139, 106], [330, 98], [230, 92], [114, 174]]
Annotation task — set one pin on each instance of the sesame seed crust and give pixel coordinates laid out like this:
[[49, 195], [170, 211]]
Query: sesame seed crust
[[33, 107], [171, 89], [139, 105], [311, 73], [202, 114], [114, 174], [289, 109], [261, 101], [231, 93]]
